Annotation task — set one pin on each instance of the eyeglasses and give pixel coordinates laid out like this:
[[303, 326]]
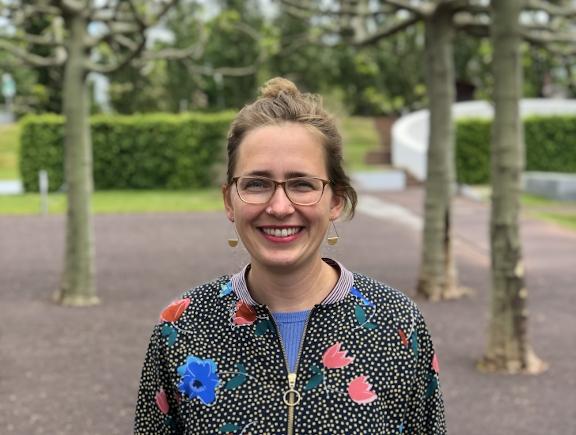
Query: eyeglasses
[[299, 190]]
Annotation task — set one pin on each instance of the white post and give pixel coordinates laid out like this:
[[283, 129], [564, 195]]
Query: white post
[[43, 185]]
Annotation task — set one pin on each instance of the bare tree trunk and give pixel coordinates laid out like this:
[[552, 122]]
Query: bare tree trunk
[[437, 278], [78, 286], [508, 348]]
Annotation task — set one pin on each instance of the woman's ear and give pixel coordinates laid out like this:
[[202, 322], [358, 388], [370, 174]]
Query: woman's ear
[[228, 202], [337, 204]]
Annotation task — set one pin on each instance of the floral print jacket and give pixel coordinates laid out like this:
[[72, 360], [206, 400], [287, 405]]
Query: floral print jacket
[[215, 364]]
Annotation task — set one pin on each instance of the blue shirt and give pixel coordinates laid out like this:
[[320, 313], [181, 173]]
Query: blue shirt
[[291, 328]]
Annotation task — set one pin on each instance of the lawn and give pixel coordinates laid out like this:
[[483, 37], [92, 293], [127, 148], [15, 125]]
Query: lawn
[[359, 136], [118, 201], [9, 145], [560, 212]]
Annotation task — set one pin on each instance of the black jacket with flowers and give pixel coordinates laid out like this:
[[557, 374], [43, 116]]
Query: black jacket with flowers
[[215, 364]]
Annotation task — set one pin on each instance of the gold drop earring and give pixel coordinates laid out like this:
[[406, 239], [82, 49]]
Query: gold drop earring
[[233, 241], [332, 240]]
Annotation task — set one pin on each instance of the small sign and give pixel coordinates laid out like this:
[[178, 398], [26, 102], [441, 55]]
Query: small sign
[[8, 86]]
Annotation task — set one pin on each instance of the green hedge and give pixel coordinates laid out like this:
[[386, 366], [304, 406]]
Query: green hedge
[[550, 146], [131, 152]]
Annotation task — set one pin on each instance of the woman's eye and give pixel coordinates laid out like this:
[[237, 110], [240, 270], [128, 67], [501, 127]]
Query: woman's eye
[[255, 184], [302, 185]]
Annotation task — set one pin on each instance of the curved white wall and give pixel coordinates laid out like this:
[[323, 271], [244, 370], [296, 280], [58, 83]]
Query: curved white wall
[[410, 133]]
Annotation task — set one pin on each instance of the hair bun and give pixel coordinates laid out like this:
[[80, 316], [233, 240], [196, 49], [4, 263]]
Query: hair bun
[[273, 87]]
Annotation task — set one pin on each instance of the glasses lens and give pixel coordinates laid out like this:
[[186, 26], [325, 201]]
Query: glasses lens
[[259, 190], [255, 190], [304, 191]]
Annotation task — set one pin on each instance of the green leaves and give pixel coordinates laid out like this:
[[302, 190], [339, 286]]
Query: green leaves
[[170, 333], [360, 314], [362, 319], [237, 380], [414, 341], [549, 146], [432, 385], [316, 379], [230, 427], [263, 326], [130, 152]]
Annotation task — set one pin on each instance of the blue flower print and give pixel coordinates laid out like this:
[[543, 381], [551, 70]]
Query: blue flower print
[[199, 378]]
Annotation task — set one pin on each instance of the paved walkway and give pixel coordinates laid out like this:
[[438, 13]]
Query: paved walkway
[[76, 371]]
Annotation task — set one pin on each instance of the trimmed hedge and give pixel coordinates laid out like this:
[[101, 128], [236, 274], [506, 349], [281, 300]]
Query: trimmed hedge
[[158, 151], [550, 146]]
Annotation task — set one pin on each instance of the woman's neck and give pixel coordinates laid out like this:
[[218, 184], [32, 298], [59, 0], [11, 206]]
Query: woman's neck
[[294, 290]]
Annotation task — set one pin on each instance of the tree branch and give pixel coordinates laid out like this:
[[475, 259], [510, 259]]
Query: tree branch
[[44, 40], [326, 12], [112, 67], [550, 9], [72, 6], [384, 33], [547, 37], [425, 10], [32, 59]]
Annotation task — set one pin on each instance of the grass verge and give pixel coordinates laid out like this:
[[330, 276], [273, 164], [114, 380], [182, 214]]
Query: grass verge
[[9, 146], [120, 201], [359, 136], [562, 213]]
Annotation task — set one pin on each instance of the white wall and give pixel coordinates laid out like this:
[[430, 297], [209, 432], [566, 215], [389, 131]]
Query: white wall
[[410, 133]]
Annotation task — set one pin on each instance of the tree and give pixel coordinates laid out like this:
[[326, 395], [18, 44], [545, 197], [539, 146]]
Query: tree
[[121, 25], [437, 279], [507, 346], [199, 68]]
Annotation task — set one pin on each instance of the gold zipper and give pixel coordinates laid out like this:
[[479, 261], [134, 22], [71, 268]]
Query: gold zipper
[[291, 396]]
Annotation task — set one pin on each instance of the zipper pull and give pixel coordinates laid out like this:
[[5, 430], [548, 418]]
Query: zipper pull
[[291, 380], [291, 396]]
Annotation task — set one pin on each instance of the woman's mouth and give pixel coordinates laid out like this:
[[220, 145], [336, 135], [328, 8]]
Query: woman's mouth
[[284, 234]]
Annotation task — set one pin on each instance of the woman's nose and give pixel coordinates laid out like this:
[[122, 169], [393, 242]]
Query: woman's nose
[[279, 205]]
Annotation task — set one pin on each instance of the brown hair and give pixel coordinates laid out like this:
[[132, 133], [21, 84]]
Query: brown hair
[[280, 101]]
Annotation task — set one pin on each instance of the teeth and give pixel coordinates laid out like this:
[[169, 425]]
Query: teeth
[[284, 232]]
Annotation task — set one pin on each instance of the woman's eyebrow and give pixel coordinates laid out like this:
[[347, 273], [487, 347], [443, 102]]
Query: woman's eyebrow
[[268, 174], [259, 173]]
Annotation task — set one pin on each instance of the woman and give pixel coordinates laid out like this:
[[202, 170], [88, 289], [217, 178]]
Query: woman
[[293, 343]]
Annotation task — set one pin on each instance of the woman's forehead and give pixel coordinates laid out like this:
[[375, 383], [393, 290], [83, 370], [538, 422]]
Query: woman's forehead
[[286, 149]]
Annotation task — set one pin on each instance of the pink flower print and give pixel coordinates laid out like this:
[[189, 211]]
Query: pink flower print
[[360, 391], [435, 364], [162, 401], [173, 311], [244, 314], [334, 358]]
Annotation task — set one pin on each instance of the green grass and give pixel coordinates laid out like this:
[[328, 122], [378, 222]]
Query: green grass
[[567, 220], [9, 145], [360, 136], [562, 213], [117, 201]]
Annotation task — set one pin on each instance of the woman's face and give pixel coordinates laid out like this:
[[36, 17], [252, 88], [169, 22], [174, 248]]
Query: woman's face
[[281, 152]]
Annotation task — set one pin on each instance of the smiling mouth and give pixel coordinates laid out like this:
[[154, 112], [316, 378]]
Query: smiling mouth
[[281, 232]]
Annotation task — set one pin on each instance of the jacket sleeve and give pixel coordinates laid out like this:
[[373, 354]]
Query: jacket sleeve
[[157, 399], [425, 415]]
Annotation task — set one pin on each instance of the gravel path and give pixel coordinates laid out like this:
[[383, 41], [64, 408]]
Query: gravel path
[[76, 371]]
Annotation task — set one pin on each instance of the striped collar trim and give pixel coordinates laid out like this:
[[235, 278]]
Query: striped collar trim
[[338, 293]]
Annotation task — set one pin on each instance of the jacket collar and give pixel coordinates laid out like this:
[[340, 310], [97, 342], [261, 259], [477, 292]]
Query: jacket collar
[[338, 293]]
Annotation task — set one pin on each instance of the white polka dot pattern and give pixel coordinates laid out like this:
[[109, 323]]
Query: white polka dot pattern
[[367, 366]]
